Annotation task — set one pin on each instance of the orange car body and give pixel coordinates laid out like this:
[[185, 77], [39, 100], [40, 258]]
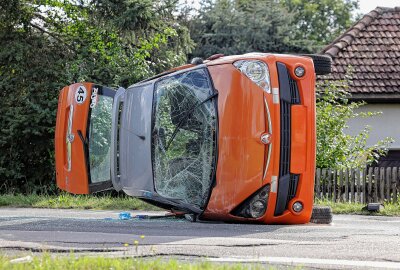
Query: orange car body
[[68, 154], [245, 163], [72, 130]]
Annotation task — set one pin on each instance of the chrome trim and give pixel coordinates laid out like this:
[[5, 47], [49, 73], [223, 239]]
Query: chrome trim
[[270, 132], [266, 138], [114, 149], [69, 137]]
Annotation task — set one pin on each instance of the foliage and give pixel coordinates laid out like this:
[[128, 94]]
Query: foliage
[[240, 26], [279, 26], [320, 21], [335, 148], [48, 261], [47, 44]]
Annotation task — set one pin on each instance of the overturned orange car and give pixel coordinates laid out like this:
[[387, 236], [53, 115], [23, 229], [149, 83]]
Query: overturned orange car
[[229, 138]]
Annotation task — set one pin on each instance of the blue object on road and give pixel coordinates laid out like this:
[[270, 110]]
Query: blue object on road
[[125, 216], [142, 216]]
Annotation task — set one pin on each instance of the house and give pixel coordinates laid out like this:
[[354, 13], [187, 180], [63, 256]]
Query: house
[[372, 48]]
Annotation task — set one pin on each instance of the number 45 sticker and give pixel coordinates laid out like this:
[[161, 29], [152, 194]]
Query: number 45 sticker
[[80, 94]]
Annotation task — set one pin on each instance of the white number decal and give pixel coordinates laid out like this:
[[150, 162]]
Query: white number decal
[[80, 94], [94, 98]]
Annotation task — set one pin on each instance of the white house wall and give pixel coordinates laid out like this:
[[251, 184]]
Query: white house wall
[[384, 125]]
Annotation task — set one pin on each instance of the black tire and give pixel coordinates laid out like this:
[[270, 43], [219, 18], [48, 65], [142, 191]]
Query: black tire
[[196, 61], [322, 63], [321, 215]]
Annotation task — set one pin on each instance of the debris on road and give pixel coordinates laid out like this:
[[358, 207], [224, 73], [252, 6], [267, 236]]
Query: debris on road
[[22, 259], [125, 216], [374, 207]]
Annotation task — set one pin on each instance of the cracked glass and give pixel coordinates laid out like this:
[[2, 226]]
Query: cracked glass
[[184, 137]]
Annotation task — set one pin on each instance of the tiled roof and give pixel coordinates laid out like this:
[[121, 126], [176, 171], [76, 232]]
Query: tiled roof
[[372, 47]]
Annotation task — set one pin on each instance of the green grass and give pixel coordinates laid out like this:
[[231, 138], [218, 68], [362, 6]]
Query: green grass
[[69, 201], [106, 202], [391, 209], [86, 262]]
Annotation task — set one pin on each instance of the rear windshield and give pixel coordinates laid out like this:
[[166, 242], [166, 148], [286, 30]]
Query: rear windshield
[[100, 139], [184, 137]]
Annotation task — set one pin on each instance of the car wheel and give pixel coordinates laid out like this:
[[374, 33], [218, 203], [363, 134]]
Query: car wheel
[[322, 63], [321, 214]]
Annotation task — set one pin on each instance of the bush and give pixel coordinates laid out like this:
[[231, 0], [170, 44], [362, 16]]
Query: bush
[[335, 148], [47, 44]]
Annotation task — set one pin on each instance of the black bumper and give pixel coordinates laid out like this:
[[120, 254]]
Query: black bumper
[[287, 182]]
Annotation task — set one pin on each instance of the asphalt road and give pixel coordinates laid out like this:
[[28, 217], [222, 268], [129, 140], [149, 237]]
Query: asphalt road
[[350, 242]]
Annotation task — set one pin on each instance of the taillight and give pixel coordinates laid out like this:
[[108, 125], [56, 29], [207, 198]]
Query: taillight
[[257, 71]]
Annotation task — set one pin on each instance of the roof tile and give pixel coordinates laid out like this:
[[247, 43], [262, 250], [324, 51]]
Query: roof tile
[[372, 48]]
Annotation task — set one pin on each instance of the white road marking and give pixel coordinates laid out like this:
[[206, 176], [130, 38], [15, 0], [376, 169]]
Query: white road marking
[[19, 221], [367, 219], [238, 241], [310, 261]]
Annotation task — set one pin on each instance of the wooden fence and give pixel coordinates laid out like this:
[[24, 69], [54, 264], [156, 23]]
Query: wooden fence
[[374, 184]]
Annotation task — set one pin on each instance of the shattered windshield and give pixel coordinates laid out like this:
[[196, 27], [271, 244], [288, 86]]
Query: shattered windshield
[[184, 137]]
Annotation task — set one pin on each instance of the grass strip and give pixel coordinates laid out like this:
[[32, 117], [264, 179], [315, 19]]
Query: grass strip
[[107, 202], [85, 262], [390, 209], [69, 201]]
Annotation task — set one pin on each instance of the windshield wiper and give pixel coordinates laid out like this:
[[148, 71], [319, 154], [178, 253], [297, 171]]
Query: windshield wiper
[[187, 116], [85, 143]]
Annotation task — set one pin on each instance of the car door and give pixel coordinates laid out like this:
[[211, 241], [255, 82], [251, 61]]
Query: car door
[[83, 138]]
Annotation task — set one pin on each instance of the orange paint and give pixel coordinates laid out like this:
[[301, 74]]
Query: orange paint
[[241, 155], [74, 180]]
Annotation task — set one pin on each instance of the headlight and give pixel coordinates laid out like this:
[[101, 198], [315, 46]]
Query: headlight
[[299, 71], [255, 206], [257, 71]]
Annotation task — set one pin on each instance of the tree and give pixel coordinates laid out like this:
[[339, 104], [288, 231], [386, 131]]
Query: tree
[[320, 21], [335, 148], [240, 26], [47, 44]]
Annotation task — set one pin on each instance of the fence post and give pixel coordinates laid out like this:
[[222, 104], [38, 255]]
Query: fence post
[[370, 185], [364, 188], [387, 183], [394, 183], [334, 184], [346, 187], [317, 182], [352, 181], [382, 184], [376, 179], [329, 189], [340, 185], [398, 183], [358, 178], [323, 184]]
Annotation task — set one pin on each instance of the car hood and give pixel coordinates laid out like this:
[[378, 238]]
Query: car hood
[[132, 169]]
